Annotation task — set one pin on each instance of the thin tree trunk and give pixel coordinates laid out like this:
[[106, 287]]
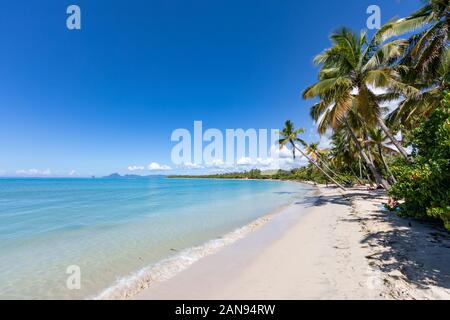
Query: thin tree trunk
[[378, 177], [325, 165], [380, 152], [369, 179], [317, 166], [356, 176], [360, 168], [369, 155], [392, 138]]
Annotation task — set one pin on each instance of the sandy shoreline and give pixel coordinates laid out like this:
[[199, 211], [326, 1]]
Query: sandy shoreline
[[334, 246]]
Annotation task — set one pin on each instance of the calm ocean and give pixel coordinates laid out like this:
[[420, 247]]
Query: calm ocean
[[119, 231]]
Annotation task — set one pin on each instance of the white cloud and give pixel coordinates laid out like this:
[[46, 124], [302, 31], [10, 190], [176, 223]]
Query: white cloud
[[377, 90], [34, 172], [154, 166], [190, 165], [325, 140], [73, 173], [278, 159], [390, 105], [244, 162], [219, 164], [283, 163], [282, 153], [136, 168]]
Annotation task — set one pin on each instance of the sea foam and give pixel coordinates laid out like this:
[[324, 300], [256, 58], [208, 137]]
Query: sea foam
[[130, 286]]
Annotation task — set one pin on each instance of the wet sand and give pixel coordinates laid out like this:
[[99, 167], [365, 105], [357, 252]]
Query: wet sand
[[330, 245]]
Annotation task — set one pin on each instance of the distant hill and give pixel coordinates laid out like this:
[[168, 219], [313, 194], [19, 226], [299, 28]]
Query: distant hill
[[269, 172], [113, 176]]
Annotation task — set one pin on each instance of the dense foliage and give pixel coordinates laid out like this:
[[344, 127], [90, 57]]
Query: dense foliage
[[359, 75], [425, 184], [308, 173], [252, 174]]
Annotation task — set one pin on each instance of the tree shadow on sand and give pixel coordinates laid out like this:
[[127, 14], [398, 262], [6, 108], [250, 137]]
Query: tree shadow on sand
[[418, 248], [318, 200]]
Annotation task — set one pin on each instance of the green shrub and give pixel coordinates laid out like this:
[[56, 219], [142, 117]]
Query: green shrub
[[425, 184]]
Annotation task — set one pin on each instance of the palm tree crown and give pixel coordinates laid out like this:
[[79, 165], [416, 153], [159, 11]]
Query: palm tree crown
[[350, 70], [290, 135]]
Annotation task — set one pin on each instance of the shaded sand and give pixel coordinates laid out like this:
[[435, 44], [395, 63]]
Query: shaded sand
[[326, 246], [412, 255]]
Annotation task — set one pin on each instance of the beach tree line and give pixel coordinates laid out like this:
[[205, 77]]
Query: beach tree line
[[384, 100]]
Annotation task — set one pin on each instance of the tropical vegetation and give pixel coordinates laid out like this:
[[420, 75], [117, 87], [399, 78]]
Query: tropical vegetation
[[425, 185], [383, 100]]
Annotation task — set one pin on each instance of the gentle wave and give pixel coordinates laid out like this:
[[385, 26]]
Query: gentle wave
[[101, 226], [128, 287]]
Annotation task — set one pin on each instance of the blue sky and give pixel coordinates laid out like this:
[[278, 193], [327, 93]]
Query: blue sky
[[97, 100]]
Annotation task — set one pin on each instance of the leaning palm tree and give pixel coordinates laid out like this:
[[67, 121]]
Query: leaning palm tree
[[411, 110], [343, 154], [290, 135], [314, 152], [319, 155], [426, 47], [379, 141], [350, 124], [350, 70]]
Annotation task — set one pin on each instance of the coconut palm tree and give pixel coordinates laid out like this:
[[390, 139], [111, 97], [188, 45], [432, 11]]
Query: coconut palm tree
[[344, 155], [314, 152], [411, 110], [319, 155], [349, 123], [380, 142], [350, 70], [290, 135], [426, 48]]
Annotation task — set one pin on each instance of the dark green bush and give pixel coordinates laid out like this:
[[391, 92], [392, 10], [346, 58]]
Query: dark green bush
[[425, 184]]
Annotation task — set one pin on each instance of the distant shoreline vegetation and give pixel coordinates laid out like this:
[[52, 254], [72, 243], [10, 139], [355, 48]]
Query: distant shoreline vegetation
[[383, 99], [307, 174], [252, 174], [403, 148]]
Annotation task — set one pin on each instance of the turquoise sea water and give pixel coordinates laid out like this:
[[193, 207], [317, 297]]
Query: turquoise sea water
[[113, 229]]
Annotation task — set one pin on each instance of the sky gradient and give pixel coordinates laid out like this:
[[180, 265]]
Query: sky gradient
[[98, 100]]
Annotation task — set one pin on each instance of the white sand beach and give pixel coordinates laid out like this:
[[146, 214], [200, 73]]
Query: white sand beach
[[342, 246]]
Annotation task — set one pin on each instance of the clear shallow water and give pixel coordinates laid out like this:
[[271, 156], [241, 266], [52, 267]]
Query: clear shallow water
[[113, 228]]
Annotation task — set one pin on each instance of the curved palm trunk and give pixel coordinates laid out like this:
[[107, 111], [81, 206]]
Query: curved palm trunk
[[369, 179], [360, 168], [392, 138], [370, 156], [378, 177], [356, 176], [325, 164], [380, 152], [327, 167], [317, 166]]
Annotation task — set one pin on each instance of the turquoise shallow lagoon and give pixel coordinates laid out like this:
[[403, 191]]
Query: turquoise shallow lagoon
[[113, 228]]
